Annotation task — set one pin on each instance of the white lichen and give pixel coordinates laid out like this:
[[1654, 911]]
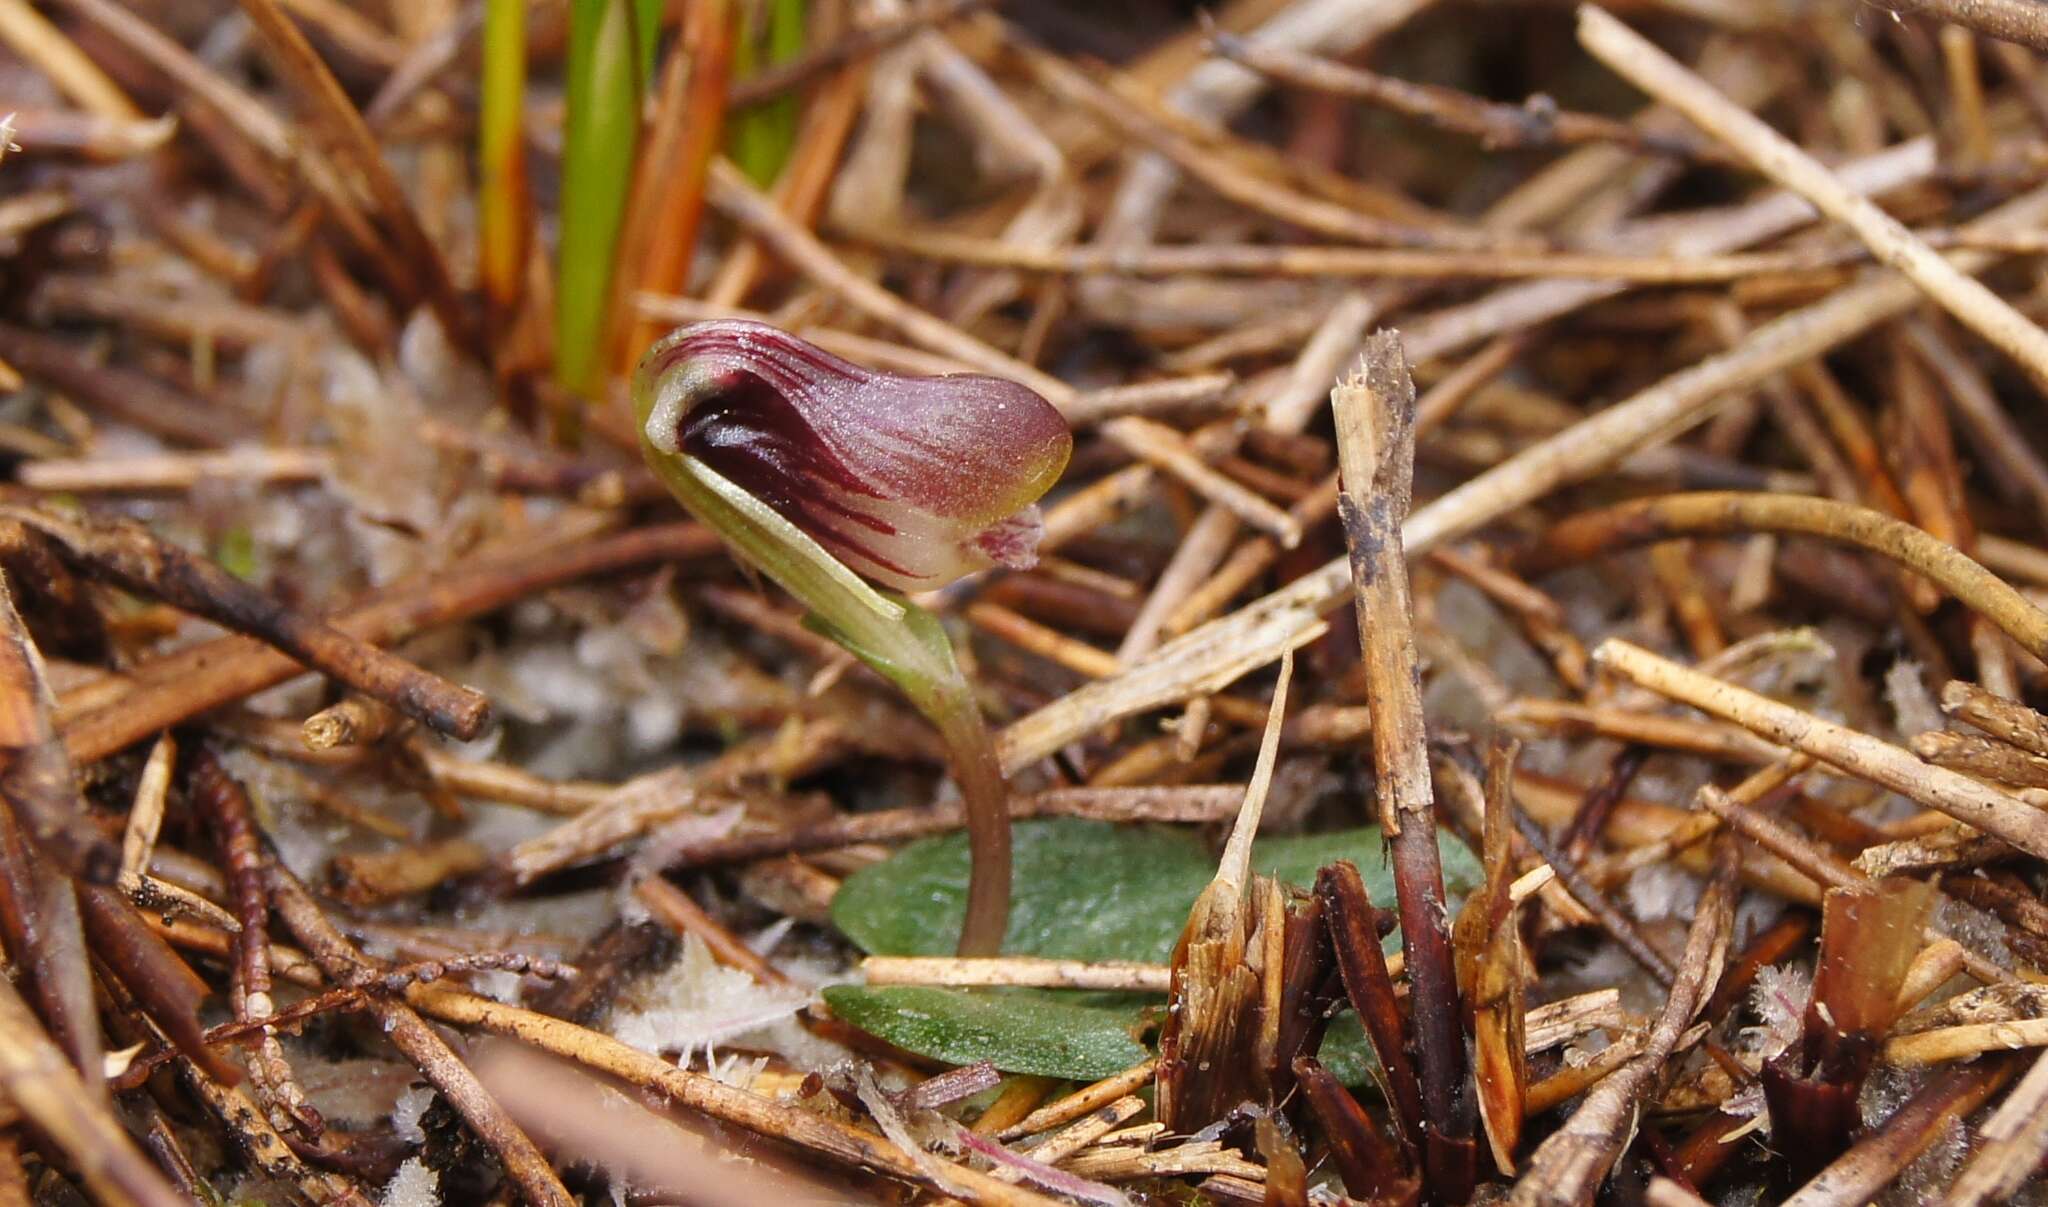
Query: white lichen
[[1779, 998], [697, 1003], [406, 1114], [414, 1185]]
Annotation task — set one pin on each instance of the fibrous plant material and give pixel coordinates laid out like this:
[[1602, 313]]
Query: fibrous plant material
[[1492, 964], [130, 556], [1570, 1165], [1226, 972]]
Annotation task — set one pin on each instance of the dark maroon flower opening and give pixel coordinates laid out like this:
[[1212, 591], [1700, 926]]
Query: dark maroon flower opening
[[912, 481]]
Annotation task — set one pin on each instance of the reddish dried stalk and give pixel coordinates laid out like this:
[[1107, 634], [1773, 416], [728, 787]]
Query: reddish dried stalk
[[1355, 935], [437, 1062], [1869, 936], [1372, 1167], [161, 981], [1880, 1157], [40, 922], [668, 193], [1376, 448], [226, 808]]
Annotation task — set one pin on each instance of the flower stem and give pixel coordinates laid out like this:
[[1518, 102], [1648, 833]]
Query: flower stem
[[987, 798], [903, 642]]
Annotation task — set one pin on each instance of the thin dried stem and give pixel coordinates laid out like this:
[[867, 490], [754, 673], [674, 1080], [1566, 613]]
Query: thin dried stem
[[1977, 307], [1858, 754], [1727, 513], [410, 1034], [131, 556], [1569, 1166], [173, 687]]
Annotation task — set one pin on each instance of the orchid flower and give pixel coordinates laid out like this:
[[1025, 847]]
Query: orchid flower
[[823, 475]]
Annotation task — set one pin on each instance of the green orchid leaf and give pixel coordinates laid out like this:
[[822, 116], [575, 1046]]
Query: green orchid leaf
[[1092, 890], [1051, 1033], [1085, 890]]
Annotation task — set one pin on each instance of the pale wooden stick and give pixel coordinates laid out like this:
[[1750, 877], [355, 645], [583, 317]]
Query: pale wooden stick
[[1029, 971], [1944, 1044], [1640, 62], [1081, 1101], [1856, 753]]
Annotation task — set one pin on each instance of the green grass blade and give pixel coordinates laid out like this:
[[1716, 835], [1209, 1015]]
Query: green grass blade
[[764, 135], [505, 215], [602, 131]]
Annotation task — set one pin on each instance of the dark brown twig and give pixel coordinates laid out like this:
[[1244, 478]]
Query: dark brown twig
[[132, 557], [410, 1034], [176, 687], [1537, 123], [1375, 409]]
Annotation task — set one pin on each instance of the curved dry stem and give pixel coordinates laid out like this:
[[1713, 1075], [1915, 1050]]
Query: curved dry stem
[[986, 795], [1727, 513]]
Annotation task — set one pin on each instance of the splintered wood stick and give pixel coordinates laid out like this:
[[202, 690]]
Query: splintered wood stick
[[130, 556], [1375, 414], [1986, 758], [1636, 59], [1856, 753], [2007, 720]]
